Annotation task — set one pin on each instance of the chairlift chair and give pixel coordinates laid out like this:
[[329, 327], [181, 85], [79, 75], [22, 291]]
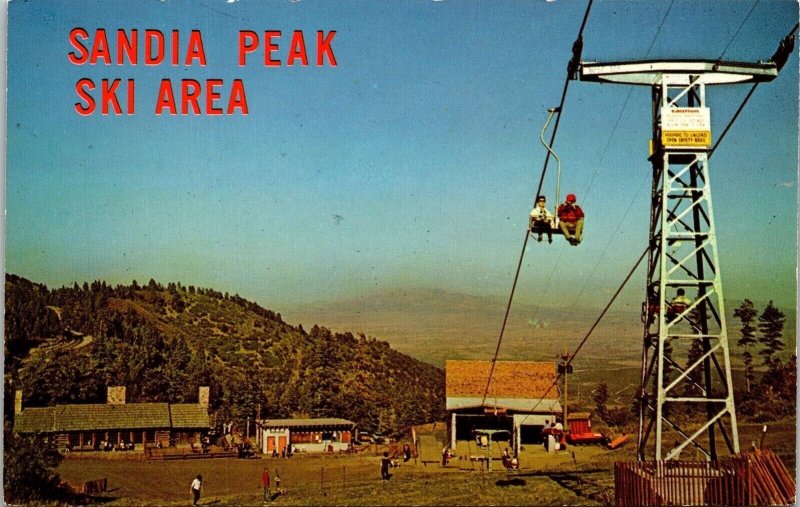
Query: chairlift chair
[[555, 228]]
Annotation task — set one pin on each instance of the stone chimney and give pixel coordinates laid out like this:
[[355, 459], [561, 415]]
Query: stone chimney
[[116, 395], [202, 397], [17, 402]]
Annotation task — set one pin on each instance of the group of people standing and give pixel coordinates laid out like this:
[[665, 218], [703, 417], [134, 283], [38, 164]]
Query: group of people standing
[[266, 482], [553, 433], [570, 220], [286, 452]]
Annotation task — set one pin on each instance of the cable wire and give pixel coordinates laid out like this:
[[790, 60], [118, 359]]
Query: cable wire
[[733, 37], [587, 192], [577, 45], [741, 106], [591, 330]]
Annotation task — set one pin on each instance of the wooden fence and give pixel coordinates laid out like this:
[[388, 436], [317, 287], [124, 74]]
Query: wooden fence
[[750, 478]]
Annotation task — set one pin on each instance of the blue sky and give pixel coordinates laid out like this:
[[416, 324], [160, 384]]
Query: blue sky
[[424, 139]]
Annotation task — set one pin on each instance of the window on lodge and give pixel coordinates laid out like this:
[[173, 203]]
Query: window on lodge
[[304, 437], [313, 437]]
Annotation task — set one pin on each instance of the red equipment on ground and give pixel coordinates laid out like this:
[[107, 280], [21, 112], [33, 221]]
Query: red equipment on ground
[[580, 430]]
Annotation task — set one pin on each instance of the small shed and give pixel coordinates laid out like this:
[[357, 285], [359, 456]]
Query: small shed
[[327, 434]]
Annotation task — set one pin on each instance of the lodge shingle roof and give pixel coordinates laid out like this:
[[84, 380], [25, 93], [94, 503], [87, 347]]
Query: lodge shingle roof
[[129, 416], [36, 420], [510, 379], [187, 415]]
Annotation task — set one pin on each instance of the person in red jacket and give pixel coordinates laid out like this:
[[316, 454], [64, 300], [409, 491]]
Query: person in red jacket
[[570, 220]]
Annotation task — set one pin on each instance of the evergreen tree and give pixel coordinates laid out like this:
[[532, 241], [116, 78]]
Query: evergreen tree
[[746, 313], [600, 400], [770, 323], [28, 471]]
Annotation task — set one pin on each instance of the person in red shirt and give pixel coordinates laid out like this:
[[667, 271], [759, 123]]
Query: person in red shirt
[[570, 220]]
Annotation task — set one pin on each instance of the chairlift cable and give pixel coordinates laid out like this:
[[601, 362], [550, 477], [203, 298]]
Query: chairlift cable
[[591, 330], [560, 108], [644, 253], [658, 30], [744, 102], [611, 239], [603, 156], [733, 37], [505, 318], [733, 119], [578, 40], [627, 99]]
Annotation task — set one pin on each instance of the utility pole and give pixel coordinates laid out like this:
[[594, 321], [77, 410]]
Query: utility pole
[[565, 368], [683, 259]]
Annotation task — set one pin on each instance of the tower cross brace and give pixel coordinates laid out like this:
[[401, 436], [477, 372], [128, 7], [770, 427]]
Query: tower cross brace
[[686, 399]]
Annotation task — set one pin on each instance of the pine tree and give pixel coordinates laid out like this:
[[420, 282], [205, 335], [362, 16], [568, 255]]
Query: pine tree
[[746, 313], [600, 400], [770, 323], [29, 471]]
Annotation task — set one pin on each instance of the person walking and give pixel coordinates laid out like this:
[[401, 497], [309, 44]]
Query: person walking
[[386, 463], [196, 488], [265, 484]]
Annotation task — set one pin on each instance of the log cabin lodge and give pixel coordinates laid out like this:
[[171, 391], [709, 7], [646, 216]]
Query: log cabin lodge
[[81, 427]]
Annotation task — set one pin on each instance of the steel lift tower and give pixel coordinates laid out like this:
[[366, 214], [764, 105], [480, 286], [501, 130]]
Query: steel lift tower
[[685, 353]]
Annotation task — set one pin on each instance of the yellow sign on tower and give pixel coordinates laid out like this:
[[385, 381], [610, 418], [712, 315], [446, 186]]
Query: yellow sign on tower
[[685, 127]]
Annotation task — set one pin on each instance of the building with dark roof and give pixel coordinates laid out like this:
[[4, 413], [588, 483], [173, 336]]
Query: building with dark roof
[[328, 434], [522, 398], [85, 426]]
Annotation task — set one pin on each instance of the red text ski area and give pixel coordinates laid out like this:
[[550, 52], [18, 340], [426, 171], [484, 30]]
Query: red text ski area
[[190, 97]]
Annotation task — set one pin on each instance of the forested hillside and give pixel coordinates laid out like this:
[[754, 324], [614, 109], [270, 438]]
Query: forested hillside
[[66, 345]]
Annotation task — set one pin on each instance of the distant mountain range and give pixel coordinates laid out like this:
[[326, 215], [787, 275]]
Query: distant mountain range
[[435, 325]]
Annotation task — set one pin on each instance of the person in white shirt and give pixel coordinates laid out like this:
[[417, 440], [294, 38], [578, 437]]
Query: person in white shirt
[[196, 488], [541, 220]]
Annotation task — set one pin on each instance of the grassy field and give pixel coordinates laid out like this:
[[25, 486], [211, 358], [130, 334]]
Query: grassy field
[[318, 481], [581, 476]]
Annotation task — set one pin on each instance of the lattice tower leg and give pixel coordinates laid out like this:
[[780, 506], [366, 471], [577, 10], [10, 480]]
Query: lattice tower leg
[[686, 395]]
